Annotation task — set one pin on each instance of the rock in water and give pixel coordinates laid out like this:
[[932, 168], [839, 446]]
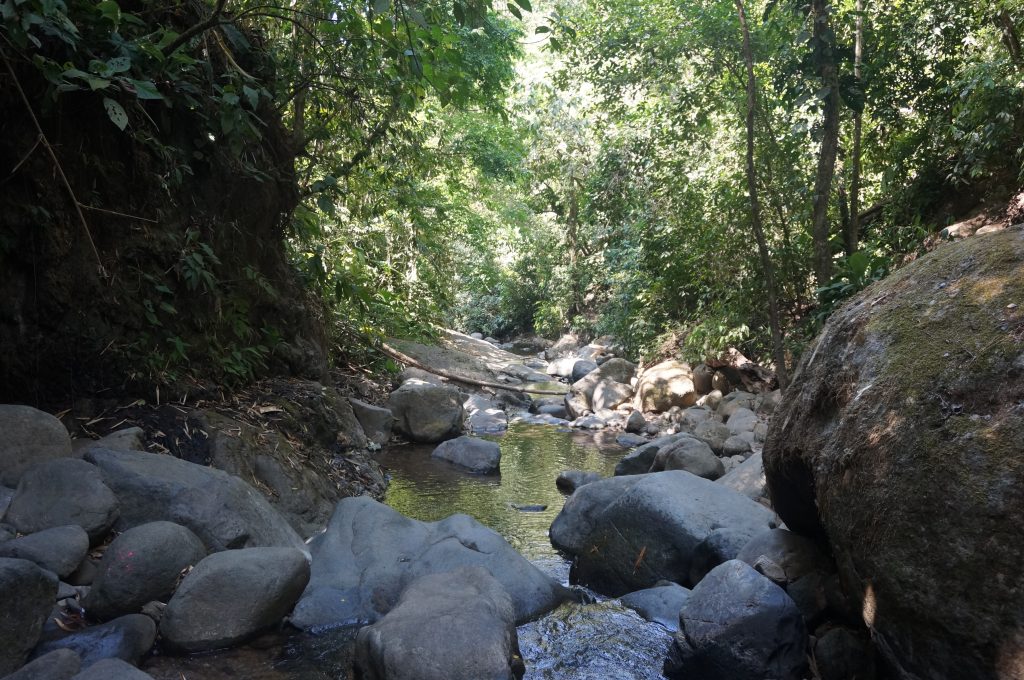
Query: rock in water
[[630, 532], [477, 639], [30, 436], [370, 553], [570, 480], [60, 492], [738, 625], [221, 509], [900, 441], [27, 593], [479, 456], [427, 413], [127, 638], [231, 596], [660, 604], [142, 565]]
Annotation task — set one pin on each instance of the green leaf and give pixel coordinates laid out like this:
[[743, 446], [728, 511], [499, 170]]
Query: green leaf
[[543, 29], [119, 64], [145, 89], [525, 4], [116, 113], [514, 11], [110, 10], [253, 95]]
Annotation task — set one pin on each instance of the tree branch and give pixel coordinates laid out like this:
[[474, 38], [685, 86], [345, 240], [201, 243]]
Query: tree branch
[[201, 27]]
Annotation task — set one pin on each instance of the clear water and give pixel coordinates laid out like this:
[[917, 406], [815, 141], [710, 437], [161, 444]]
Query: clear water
[[600, 641]]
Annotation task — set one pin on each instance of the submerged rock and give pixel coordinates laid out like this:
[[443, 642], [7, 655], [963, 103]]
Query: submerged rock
[[112, 669], [480, 456]]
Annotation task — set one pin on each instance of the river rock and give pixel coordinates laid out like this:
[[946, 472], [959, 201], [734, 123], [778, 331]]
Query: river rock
[[660, 604], [581, 369], [427, 413], [60, 664], [60, 549], [411, 373], [630, 532], [128, 638], [128, 439], [581, 394], [570, 480], [747, 478], [60, 492], [562, 367], [733, 401], [907, 409], [665, 385], [369, 553], [628, 440], [27, 593], [590, 422], [142, 565], [30, 436], [721, 545], [480, 456], [608, 394], [797, 555], [219, 508], [639, 461], [112, 669], [554, 410], [842, 654], [768, 402], [485, 416], [232, 596], [477, 640], [736, 446], [376, 421], [714, 434], [702, 375], [689, 454], [738, 625], [636, 423], [742, 420]]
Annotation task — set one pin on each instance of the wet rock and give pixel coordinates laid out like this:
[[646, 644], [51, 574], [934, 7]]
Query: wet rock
[[484, 415], [590, 422], [747, 478], [128, 638], [59, 550], [721, 545], [141, 565], [376, 421], [797, 555], [369, 554], [628, 440], [479, 456], [219, 508], [660, 604], [478, 639], [60, 492], [630, 532], [232, 596], [554, 410], [27, 593], [689, 454], [636, 423], [60, 664], [581, 369], [843, 654], [30, 436], [738, 625], [427, 413], [570, 480], [112, 669], [608, 394], [128, 439]]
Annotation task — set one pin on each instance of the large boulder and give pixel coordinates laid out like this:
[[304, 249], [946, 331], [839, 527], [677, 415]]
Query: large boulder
[[370, 553], [660, 604], [581, 369], [60, 492], [639, 460], [376, 421], [665, 385], [427, 413], [480, 456], [608, 394], [737, 624], [690, 454], [142, 565], [581, 394], [899, 443], [476, 641], [630, 532], [29, 436], [232, 596], [127, 638], [747, 478], [27, 593], [60, 549], [219, 508], [60, 664]]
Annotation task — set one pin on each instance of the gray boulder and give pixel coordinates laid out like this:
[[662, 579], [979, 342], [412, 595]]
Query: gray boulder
[[555, 410], [60, 492], [60, 549], [30, 436], [479, 456], [630, 532], [797, 555], [60, 664], [427, 413], [736, 446], [6, 496], [742, 420], [27, 593], [689, 454], [628, 440], [376, 421], [590, 422], [581, 369], [142, 565], [128, 638], [112, 669], [694, 416], [660, 604], [636, 423], [562, 367], [721, 545], [747, 478], [734, 401], [581, 394], [219, 508], [702, 376], [485, 416], [844, 654], [233, 595], [128, 439], [714, 434], [477, 639], [738, 625], [570, 480], [369, 554], [639, 461], [608, 394]]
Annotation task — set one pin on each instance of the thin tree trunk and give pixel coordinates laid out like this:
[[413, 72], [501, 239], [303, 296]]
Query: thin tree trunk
[[774, 318], [1010, 38], [820, 232], [852, 233]]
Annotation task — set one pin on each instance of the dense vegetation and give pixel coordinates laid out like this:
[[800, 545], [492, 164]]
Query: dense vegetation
[[656, 171]]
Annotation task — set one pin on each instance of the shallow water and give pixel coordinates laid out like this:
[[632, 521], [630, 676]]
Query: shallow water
[[601, 641]]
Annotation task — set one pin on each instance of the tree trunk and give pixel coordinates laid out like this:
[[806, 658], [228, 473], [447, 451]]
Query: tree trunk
[[1010, 37], [824, 43], [851, 236], [774, 318]]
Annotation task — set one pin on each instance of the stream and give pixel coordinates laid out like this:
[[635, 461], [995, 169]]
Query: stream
[[599, 641]]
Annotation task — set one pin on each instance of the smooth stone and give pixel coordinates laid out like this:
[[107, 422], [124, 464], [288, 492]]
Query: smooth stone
[[27, 594], [628, 440], [112, 669], [581, 369], [736, 446], [60, 549], [427, 413], [30, 436], [60, 492], [128, 439], [639, 461], [797, 555], [660, 604], [376, 421], [60, 664], [128, 638], [721, 545], [746, 478], [689, 454], [636, 423], [570, 480], [479, 456]]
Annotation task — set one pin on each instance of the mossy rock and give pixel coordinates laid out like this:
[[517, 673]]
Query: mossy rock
[[899, 443]]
